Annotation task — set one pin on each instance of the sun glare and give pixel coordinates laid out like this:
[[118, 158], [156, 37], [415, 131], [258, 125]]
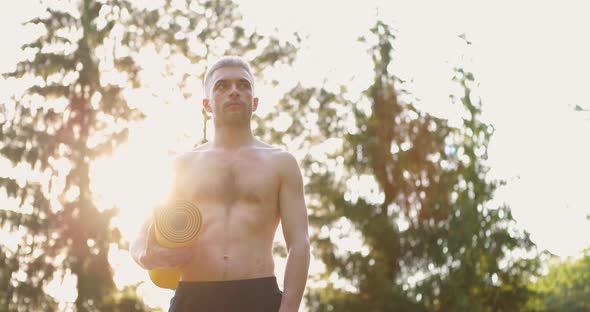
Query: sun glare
[[135, 179]]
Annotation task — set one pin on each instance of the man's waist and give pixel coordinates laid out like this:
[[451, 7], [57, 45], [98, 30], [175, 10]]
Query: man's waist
[[232, 286]]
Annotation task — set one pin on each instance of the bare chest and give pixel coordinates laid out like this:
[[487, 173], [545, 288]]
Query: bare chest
[[229, 179]]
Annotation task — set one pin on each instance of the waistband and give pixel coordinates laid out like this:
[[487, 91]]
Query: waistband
[[244, 286]]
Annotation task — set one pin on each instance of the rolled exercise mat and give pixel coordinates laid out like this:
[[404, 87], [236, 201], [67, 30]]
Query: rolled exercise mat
[[177, 224]]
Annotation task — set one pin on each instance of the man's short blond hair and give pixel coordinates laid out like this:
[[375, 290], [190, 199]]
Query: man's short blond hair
[[226, 61]]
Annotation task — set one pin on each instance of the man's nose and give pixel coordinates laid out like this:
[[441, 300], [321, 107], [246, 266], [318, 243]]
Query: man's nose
[[233, 89]]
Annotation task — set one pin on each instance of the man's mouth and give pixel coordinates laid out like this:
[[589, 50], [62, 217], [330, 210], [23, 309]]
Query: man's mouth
[[233, 104]]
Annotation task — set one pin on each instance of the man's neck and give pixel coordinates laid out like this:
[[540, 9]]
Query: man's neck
[[232, 137]]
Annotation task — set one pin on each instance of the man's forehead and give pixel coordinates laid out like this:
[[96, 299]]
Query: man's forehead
[[231, 73]]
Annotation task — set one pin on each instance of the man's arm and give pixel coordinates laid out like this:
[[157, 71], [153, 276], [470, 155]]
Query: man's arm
[[146, 251], [294, 222], [150, 255], [138, 248]]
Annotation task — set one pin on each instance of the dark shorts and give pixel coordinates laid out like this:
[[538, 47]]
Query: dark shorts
[[256, 295]]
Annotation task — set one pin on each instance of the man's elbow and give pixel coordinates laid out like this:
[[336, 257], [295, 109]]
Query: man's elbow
[[134, 253], [300, 247], [138, 254]]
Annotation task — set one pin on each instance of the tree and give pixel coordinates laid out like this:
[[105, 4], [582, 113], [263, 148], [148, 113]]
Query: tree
[[566, 287], [413, 190], [74, 111]]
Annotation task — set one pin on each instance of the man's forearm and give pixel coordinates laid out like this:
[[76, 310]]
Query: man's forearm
[[138, 252], [295, 277], [139, 247]]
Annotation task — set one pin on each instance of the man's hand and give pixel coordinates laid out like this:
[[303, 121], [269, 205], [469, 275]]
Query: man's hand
[[159, 257]]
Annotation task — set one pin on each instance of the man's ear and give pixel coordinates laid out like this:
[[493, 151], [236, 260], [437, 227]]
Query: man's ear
[[255, 104], [206, 105]]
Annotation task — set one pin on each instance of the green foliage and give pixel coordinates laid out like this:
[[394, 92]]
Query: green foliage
[[430, 240], [565, 288], [74, 112]]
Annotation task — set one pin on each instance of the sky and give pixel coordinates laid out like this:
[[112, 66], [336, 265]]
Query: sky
[[530, 59]]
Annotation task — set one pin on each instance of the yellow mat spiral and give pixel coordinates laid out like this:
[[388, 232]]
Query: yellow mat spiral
[[177, 224]]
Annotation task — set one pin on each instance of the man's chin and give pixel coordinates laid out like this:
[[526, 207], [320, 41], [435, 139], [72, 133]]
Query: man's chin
[[237, 118]]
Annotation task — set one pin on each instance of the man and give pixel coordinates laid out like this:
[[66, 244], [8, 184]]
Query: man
[[243, 188]]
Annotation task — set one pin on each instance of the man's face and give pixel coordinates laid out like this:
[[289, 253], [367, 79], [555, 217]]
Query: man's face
[[230, 96]]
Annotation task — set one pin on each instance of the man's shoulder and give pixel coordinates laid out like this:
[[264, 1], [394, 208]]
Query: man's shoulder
[[268, 147], [286, 165], [188, 156], [281, 157], [200, 148], [276, 152]]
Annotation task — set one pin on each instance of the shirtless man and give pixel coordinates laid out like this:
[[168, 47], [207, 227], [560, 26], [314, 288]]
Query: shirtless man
[[243, 188]]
